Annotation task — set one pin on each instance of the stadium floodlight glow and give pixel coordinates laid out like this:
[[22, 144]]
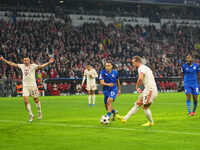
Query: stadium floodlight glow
[[61, 1]]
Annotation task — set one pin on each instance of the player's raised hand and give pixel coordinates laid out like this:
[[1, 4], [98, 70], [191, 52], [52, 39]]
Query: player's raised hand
[[51, 60]]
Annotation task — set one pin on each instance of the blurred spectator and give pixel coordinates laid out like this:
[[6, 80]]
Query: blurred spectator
[[93, 43]]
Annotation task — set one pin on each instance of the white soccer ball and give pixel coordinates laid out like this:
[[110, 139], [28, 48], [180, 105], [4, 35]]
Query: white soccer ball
[[105, 119]]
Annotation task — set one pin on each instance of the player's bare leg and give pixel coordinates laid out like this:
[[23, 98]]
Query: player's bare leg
[[38, 105], [28, 108], [89, 97], [93, 97], [188, 103], [106, 107], [195, 101]]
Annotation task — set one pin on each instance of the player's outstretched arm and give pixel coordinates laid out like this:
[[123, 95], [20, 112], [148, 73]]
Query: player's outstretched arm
[[46, 64], [8, 62]]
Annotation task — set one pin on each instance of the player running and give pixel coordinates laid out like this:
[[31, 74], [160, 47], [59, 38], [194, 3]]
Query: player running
[[190, 72], [29, 83], [147, 96], [111, 87], [90, 74]]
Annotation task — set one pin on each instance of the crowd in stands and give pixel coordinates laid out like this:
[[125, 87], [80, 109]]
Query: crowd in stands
[[162, 49]]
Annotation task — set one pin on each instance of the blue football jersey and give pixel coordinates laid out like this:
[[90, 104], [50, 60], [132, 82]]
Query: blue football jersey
[[109, 78], [190, 73]]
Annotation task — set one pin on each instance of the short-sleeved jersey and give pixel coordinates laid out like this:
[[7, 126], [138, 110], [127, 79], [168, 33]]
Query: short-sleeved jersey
[[91, 76], [111, 77], [28, 74], [148, 79], [190, 73]]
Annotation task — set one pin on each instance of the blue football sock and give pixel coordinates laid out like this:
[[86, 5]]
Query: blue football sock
[[113, 111], [194, 106], [188, 105], [108, 114]]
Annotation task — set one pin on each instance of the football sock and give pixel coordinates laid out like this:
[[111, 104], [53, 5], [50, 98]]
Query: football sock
[[148, 115], [194, 106], [113, 111], [109, 114], [93, 98], [38, 105], [188, 105], [89, 99], [28, 107], [133, 110]]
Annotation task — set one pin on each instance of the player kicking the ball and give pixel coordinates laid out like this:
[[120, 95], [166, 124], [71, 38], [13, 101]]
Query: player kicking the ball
[[147, 95], [91, 75], [111, 87], [29, 83]]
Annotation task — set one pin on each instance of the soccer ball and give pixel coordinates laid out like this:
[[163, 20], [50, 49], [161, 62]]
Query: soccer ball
[[105, 119]]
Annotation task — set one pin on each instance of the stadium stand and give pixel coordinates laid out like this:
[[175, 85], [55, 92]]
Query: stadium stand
[[162, 37]]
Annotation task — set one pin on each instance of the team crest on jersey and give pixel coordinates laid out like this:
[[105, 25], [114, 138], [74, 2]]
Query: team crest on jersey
[[194, 67], [113, 75], [26, 72]]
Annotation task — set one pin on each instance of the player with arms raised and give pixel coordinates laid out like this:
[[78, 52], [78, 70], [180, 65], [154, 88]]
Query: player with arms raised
[[111, 87], [90, 74], [29, 83], [190, 72], [147, 96]]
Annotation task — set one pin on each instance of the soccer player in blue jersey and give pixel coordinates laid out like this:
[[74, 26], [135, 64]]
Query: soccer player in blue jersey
[[111, 87], [190, 72]]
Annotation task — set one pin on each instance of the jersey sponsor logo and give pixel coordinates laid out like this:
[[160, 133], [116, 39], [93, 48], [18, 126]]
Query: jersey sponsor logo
[[187, 68]]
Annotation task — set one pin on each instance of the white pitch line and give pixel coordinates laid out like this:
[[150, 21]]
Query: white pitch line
[[124, 103], [102, 127]]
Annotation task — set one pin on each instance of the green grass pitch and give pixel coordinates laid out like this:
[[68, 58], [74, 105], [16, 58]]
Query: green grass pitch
[[69, 124]]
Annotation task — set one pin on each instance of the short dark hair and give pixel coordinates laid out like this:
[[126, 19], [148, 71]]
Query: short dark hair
[[138, 58], [26, 57], [108, 61]]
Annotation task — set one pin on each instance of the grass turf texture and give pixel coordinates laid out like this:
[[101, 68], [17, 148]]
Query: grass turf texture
[[69, 124]]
